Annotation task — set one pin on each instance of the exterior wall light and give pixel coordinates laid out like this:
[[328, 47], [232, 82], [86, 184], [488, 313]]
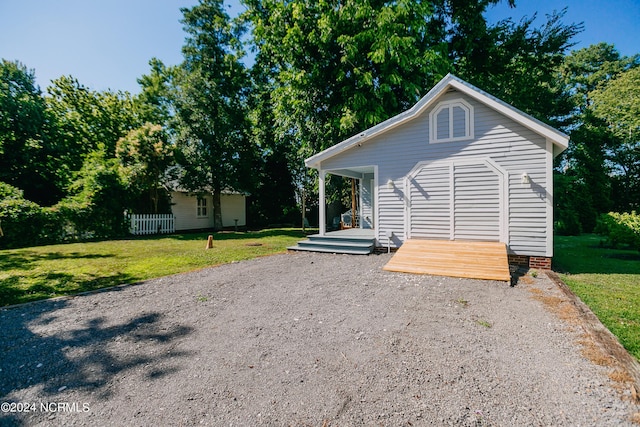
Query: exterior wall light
[[525, 179], [390, 184]]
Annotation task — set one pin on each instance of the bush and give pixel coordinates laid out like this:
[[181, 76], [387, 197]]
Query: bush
[[568, 224], [21, 220], [95, 209], [620, 228], [98, 200]]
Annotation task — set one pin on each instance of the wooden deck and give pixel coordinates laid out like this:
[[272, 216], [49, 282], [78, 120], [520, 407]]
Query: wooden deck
[[475, 260]]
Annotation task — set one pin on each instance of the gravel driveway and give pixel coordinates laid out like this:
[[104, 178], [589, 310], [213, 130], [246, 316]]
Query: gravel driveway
[[306, 340]]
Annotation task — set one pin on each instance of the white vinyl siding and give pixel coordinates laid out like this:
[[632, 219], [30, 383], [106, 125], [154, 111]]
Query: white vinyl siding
[[511, 146], [367, 201], [457, 201], [476, 203], [430, 203]]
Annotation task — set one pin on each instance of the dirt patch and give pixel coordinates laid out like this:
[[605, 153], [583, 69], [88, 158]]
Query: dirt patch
[[304, 339]]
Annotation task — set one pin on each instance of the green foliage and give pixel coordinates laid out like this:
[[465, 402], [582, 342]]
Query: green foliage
[[601, 170], [568, 224], [514, 61], [155, 101], [341, 67], [86, 120], [585, 70], [20, 219], [334, 68], [146, 156], [28, 156], [620, 228], [8, 191], [617, 104], [98, 201]]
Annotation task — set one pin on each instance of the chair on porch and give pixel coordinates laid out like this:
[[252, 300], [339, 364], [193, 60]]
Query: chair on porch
[[347, 220]]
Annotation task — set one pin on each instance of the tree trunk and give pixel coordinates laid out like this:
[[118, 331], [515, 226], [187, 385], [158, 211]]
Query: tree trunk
[[154, 200]]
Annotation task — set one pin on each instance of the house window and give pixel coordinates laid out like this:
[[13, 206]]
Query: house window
[[451, 121], [202, 207]]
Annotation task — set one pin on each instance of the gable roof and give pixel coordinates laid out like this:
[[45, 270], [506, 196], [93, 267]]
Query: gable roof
[[560, 140]]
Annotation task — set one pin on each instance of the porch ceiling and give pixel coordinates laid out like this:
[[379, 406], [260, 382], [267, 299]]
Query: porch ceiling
[[352, 172]]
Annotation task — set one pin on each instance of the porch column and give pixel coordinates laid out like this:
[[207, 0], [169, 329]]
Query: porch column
[[322, 214]]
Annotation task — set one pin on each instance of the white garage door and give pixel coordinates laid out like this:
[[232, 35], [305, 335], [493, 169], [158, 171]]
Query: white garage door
[[456, 201]]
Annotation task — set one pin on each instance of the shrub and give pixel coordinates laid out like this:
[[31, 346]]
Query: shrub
[[99, 197], [95, 209], [568, 224], [21, 220], [620, 228]]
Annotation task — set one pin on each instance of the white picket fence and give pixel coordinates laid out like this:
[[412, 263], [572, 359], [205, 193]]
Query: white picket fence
[[152, 224]]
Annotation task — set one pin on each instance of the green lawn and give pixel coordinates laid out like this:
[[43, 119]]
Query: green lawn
[[35, 273], [607, 280]]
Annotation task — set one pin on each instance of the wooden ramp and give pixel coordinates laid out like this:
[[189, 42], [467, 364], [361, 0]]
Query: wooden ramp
[[475, 260]]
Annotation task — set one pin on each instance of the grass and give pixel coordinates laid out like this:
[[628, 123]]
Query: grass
[[607, 280], [484, 323], [37, 273]]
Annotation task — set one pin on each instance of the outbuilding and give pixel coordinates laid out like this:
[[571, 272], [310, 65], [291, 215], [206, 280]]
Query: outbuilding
[[460, 165], [194, 211]]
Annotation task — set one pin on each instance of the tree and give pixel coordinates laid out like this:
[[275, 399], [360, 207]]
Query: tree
[[97, 199], [272, 197], [514, 61], [154, 104], [213, 149], [339, 67], [146, 156], [28, 158], [334, 68], [590, 159], [617, 104], [85, 121]]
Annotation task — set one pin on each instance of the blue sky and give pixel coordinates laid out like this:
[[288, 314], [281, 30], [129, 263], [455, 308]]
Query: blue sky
[[107, 44]]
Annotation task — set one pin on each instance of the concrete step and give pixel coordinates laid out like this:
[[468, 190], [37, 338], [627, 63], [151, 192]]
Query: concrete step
[[336, 244], [331, 249], [336, 239]]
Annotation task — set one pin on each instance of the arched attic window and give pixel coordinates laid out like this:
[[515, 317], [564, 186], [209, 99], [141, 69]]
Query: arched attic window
[[451, 121]]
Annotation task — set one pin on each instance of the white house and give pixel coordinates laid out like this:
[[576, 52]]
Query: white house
[[195, 212], [459, 165]]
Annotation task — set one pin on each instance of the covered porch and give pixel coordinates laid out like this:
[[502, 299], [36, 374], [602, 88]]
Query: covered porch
[[363, 198], [357, 227]]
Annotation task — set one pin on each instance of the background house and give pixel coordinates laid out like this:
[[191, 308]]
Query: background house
[[195, 211], [459, 165]]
